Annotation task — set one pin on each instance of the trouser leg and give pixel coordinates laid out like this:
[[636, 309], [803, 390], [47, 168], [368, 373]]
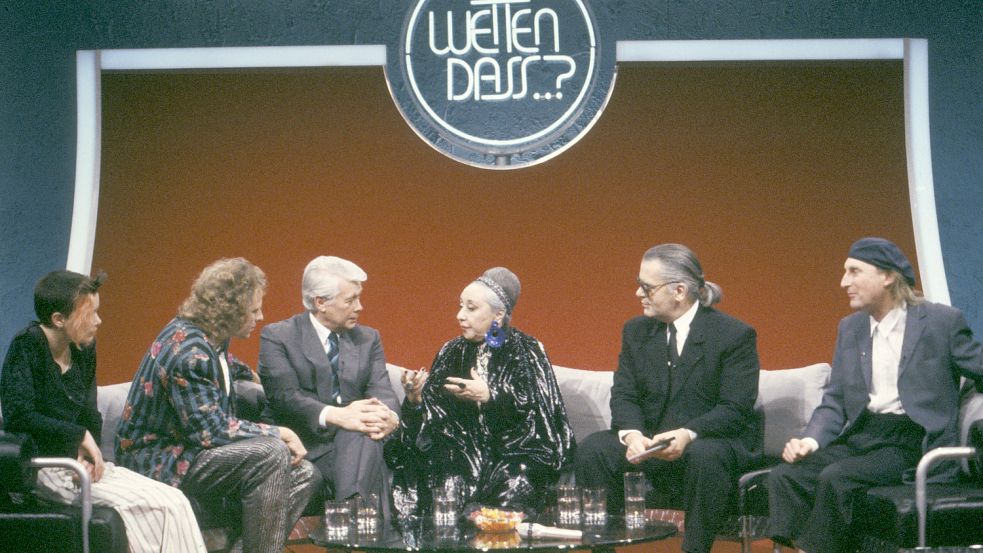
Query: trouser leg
[[157, 517], [600, 462], [355, 465], [710, 484], [791, 492], [258, 473], [839, 485]]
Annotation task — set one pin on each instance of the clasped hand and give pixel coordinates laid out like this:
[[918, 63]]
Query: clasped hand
[[368, 416], [474, 389], [637, 443], [795, 450]]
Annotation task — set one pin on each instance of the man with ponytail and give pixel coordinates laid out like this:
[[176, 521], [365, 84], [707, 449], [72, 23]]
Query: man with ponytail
[[687, 376]]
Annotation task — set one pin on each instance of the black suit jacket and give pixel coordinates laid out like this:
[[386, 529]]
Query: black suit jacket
[[713, 388]]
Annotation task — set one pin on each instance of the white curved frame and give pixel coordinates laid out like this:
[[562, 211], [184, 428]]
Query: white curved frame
[[913, 52]]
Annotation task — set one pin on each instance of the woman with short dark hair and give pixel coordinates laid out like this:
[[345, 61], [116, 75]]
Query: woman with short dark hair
[[48, 390]]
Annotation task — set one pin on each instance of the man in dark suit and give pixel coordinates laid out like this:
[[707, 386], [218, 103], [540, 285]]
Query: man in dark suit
[[893, 394], [686, 372], [325, 377]]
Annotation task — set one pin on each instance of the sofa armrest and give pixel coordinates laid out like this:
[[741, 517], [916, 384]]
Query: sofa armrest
[[746, 484]]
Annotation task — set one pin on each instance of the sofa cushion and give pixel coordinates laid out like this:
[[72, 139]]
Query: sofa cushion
[[395, 374], [587, 398], [786, 400], [111, 400]]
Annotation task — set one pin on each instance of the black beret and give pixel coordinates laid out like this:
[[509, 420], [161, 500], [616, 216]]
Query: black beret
[[884, 254]]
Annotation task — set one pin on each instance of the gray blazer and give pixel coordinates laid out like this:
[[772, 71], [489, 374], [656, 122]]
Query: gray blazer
[[938, 348], [296, 376]]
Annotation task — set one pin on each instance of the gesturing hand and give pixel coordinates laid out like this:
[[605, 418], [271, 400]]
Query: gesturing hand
[[474, 389], [413, 384]]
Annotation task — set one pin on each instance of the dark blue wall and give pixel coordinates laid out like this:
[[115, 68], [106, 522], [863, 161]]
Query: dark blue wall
[[38, 41]]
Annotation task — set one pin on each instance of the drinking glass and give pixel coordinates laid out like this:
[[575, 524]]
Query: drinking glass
[[635, 487], [337, 516], [595, 504], [568, 504], [367, 512], [445, 501]]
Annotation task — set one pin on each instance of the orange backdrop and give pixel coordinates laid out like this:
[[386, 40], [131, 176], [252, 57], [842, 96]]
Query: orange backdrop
[[768, 171]]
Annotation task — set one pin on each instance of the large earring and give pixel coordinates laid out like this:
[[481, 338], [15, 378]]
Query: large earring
[[495, 336]]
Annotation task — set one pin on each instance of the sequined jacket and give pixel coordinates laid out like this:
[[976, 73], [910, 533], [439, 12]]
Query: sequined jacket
[[507, 451], [178, 406]]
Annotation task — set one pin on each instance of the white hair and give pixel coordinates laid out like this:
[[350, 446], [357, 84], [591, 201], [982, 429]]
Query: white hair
[[323, 275]]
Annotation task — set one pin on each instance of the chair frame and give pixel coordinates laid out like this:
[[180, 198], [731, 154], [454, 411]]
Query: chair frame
[[85, 485]]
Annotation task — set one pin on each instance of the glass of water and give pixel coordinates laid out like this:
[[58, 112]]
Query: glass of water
[[635, 487], [337, 515], [367, 512], [568, 504], [445, 501], [595, 505]]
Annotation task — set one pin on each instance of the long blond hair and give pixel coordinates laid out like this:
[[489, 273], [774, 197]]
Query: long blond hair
[[901, 291], [221, 297]]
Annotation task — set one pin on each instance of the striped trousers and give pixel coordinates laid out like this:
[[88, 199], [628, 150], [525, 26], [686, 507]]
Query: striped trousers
[[257, 473], [157, 517]]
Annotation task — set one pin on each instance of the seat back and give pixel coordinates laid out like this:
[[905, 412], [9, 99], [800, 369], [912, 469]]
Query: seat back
[[786, 400]]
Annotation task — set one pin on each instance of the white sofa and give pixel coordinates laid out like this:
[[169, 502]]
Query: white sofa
[[786, 399]]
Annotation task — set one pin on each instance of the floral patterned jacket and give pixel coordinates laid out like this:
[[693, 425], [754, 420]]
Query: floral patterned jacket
[[178, 406]]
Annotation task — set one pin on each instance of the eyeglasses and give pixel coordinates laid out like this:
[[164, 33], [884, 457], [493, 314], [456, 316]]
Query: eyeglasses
[[647, 288]]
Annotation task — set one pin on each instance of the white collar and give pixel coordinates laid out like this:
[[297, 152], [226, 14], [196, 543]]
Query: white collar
[[323, 332], [890, 321], [686, 319]]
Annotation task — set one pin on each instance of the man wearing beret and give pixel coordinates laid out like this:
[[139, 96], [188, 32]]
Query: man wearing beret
[[893, 395]]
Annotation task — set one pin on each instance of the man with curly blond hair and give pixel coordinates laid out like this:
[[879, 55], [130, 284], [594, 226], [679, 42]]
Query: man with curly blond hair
[[179, 424]]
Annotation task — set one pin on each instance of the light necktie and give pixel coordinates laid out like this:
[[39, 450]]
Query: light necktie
[[333, 359], [671, 354], [673, 350]]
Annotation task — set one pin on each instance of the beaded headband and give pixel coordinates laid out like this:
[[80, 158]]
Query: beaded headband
[[499, 291]]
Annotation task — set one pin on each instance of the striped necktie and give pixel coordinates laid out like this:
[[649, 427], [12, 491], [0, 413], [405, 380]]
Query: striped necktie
[[333, 358]]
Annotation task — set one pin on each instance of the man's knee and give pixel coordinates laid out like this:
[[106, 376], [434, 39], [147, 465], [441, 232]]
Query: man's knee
[[833, 476], [595, 453], [266, 451], [597, 445], [711, 453]]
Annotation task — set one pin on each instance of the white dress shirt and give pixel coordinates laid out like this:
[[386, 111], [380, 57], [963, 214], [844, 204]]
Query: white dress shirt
[[887, 337]]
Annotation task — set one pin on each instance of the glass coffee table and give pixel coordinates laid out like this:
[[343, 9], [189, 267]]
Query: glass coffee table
[[419, 534]]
